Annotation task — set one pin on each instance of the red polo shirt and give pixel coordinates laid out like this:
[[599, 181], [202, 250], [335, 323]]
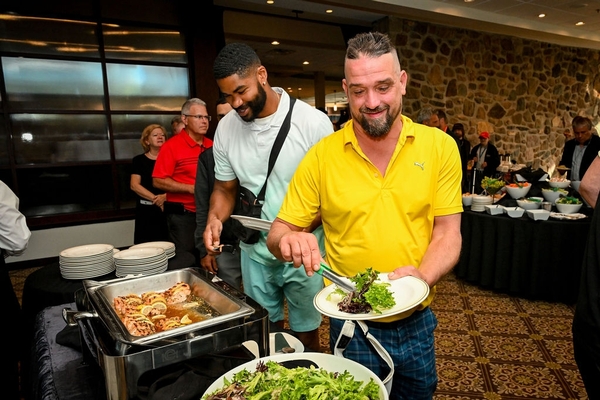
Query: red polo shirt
[[178, 160]]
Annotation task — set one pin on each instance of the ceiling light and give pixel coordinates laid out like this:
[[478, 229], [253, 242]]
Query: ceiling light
[[305, 63], [542, 15], [329, 11], [580, 23], [469, 1], [270, 1], [274, 42]]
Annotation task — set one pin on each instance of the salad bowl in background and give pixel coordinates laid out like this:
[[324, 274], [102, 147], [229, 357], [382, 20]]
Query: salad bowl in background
[[518, 190], [568, 205], [562, 184], [552, 194], [530, 203]]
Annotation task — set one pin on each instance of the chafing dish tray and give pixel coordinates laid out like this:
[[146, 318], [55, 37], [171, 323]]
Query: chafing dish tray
[[102, 294]]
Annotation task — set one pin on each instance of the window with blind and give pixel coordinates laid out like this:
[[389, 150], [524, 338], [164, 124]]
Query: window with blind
[[75, 97]]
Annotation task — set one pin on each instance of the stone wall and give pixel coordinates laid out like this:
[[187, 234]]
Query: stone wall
[[524, 92]]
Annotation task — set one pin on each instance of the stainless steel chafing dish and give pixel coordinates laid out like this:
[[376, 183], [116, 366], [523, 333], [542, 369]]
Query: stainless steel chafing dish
[[102, 294], [124, 358]]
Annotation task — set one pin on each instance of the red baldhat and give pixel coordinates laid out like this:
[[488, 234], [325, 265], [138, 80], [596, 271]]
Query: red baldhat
[[484, 135]]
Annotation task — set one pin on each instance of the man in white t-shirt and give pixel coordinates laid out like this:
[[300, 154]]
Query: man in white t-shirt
[[243, 142]]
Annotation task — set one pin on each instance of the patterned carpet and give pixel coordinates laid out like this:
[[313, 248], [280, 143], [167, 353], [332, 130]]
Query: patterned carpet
[[496, 347], [491, 346]]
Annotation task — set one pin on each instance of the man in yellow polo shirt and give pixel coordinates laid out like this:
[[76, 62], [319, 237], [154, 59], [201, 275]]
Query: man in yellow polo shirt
[[388, 191]]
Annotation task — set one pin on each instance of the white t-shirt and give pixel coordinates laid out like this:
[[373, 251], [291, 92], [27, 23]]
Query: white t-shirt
[[242, 151]]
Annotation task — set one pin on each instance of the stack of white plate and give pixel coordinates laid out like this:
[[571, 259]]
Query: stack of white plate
[[479, 203], [169, 247], [144, 261], [87, 261]]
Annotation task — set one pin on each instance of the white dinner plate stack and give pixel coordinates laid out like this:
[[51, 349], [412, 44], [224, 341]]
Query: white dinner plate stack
[[143, 261], [479, 203], [87, 261], [168, 247]]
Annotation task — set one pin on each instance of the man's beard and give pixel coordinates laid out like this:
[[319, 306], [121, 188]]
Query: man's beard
[[376, 128], [256, 105]]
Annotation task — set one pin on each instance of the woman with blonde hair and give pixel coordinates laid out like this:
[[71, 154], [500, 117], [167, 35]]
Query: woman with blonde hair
[[150, 221]]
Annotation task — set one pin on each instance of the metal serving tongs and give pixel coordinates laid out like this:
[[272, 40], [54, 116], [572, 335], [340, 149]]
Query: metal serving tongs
[[339, 280]]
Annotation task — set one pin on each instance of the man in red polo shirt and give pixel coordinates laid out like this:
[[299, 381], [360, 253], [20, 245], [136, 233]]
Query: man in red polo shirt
[[175, 173]]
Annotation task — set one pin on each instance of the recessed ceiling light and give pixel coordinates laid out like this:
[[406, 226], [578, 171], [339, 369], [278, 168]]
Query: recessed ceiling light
[[274, 42], [305, 63], [580, 23], [469, 1], [270, 1], [329, 11], [542, 15]]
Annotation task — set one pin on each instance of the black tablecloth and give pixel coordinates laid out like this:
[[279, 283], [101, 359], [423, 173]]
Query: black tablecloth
[[46, 287], [532, 259]]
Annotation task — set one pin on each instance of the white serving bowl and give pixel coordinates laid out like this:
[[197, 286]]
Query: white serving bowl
[[494, 209], [528, 204], [568, 208], [559, 184], [328, 362], [538, 215], [551, 195], [518, 192], [467, 200], [514, 212]]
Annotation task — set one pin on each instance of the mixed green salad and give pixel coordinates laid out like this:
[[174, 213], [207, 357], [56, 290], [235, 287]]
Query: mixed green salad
[[370, 295], [568, 200], [272, 380]]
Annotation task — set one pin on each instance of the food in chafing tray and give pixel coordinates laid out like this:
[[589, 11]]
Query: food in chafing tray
[[272, 380], [152, 312], [369, 295]]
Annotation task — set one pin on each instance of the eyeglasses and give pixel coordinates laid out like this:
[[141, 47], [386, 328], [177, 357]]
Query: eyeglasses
[[200, 117]]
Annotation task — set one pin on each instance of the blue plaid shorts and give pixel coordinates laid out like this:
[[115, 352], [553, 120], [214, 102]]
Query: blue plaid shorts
[[409, 341]]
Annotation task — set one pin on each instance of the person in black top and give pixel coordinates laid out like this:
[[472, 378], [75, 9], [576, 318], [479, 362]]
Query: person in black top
[[464, 148], [486, 160], [586, 322], [227, 264], [578, 154], [150, 221]]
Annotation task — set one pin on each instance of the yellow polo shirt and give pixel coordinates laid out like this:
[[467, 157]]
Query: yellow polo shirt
[[372, 220]]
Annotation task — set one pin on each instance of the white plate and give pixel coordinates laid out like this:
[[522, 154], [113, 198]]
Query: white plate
[[169, 247], [136, 254], [87, 250], [253, 223], [326, 361], [567, 216], [408, 292]]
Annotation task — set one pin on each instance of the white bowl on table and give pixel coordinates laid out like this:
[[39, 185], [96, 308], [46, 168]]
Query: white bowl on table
[[568, 208], [494, 209], [467, 199], [518, 192], [538, 215], [327, 362], [528, 204], [559, 184], [514, 212], [551, 195]]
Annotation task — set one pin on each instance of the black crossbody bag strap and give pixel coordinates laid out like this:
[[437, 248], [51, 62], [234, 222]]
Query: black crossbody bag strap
[[283, 131]]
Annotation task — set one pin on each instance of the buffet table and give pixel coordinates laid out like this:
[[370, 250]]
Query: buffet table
[[532, 259]]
